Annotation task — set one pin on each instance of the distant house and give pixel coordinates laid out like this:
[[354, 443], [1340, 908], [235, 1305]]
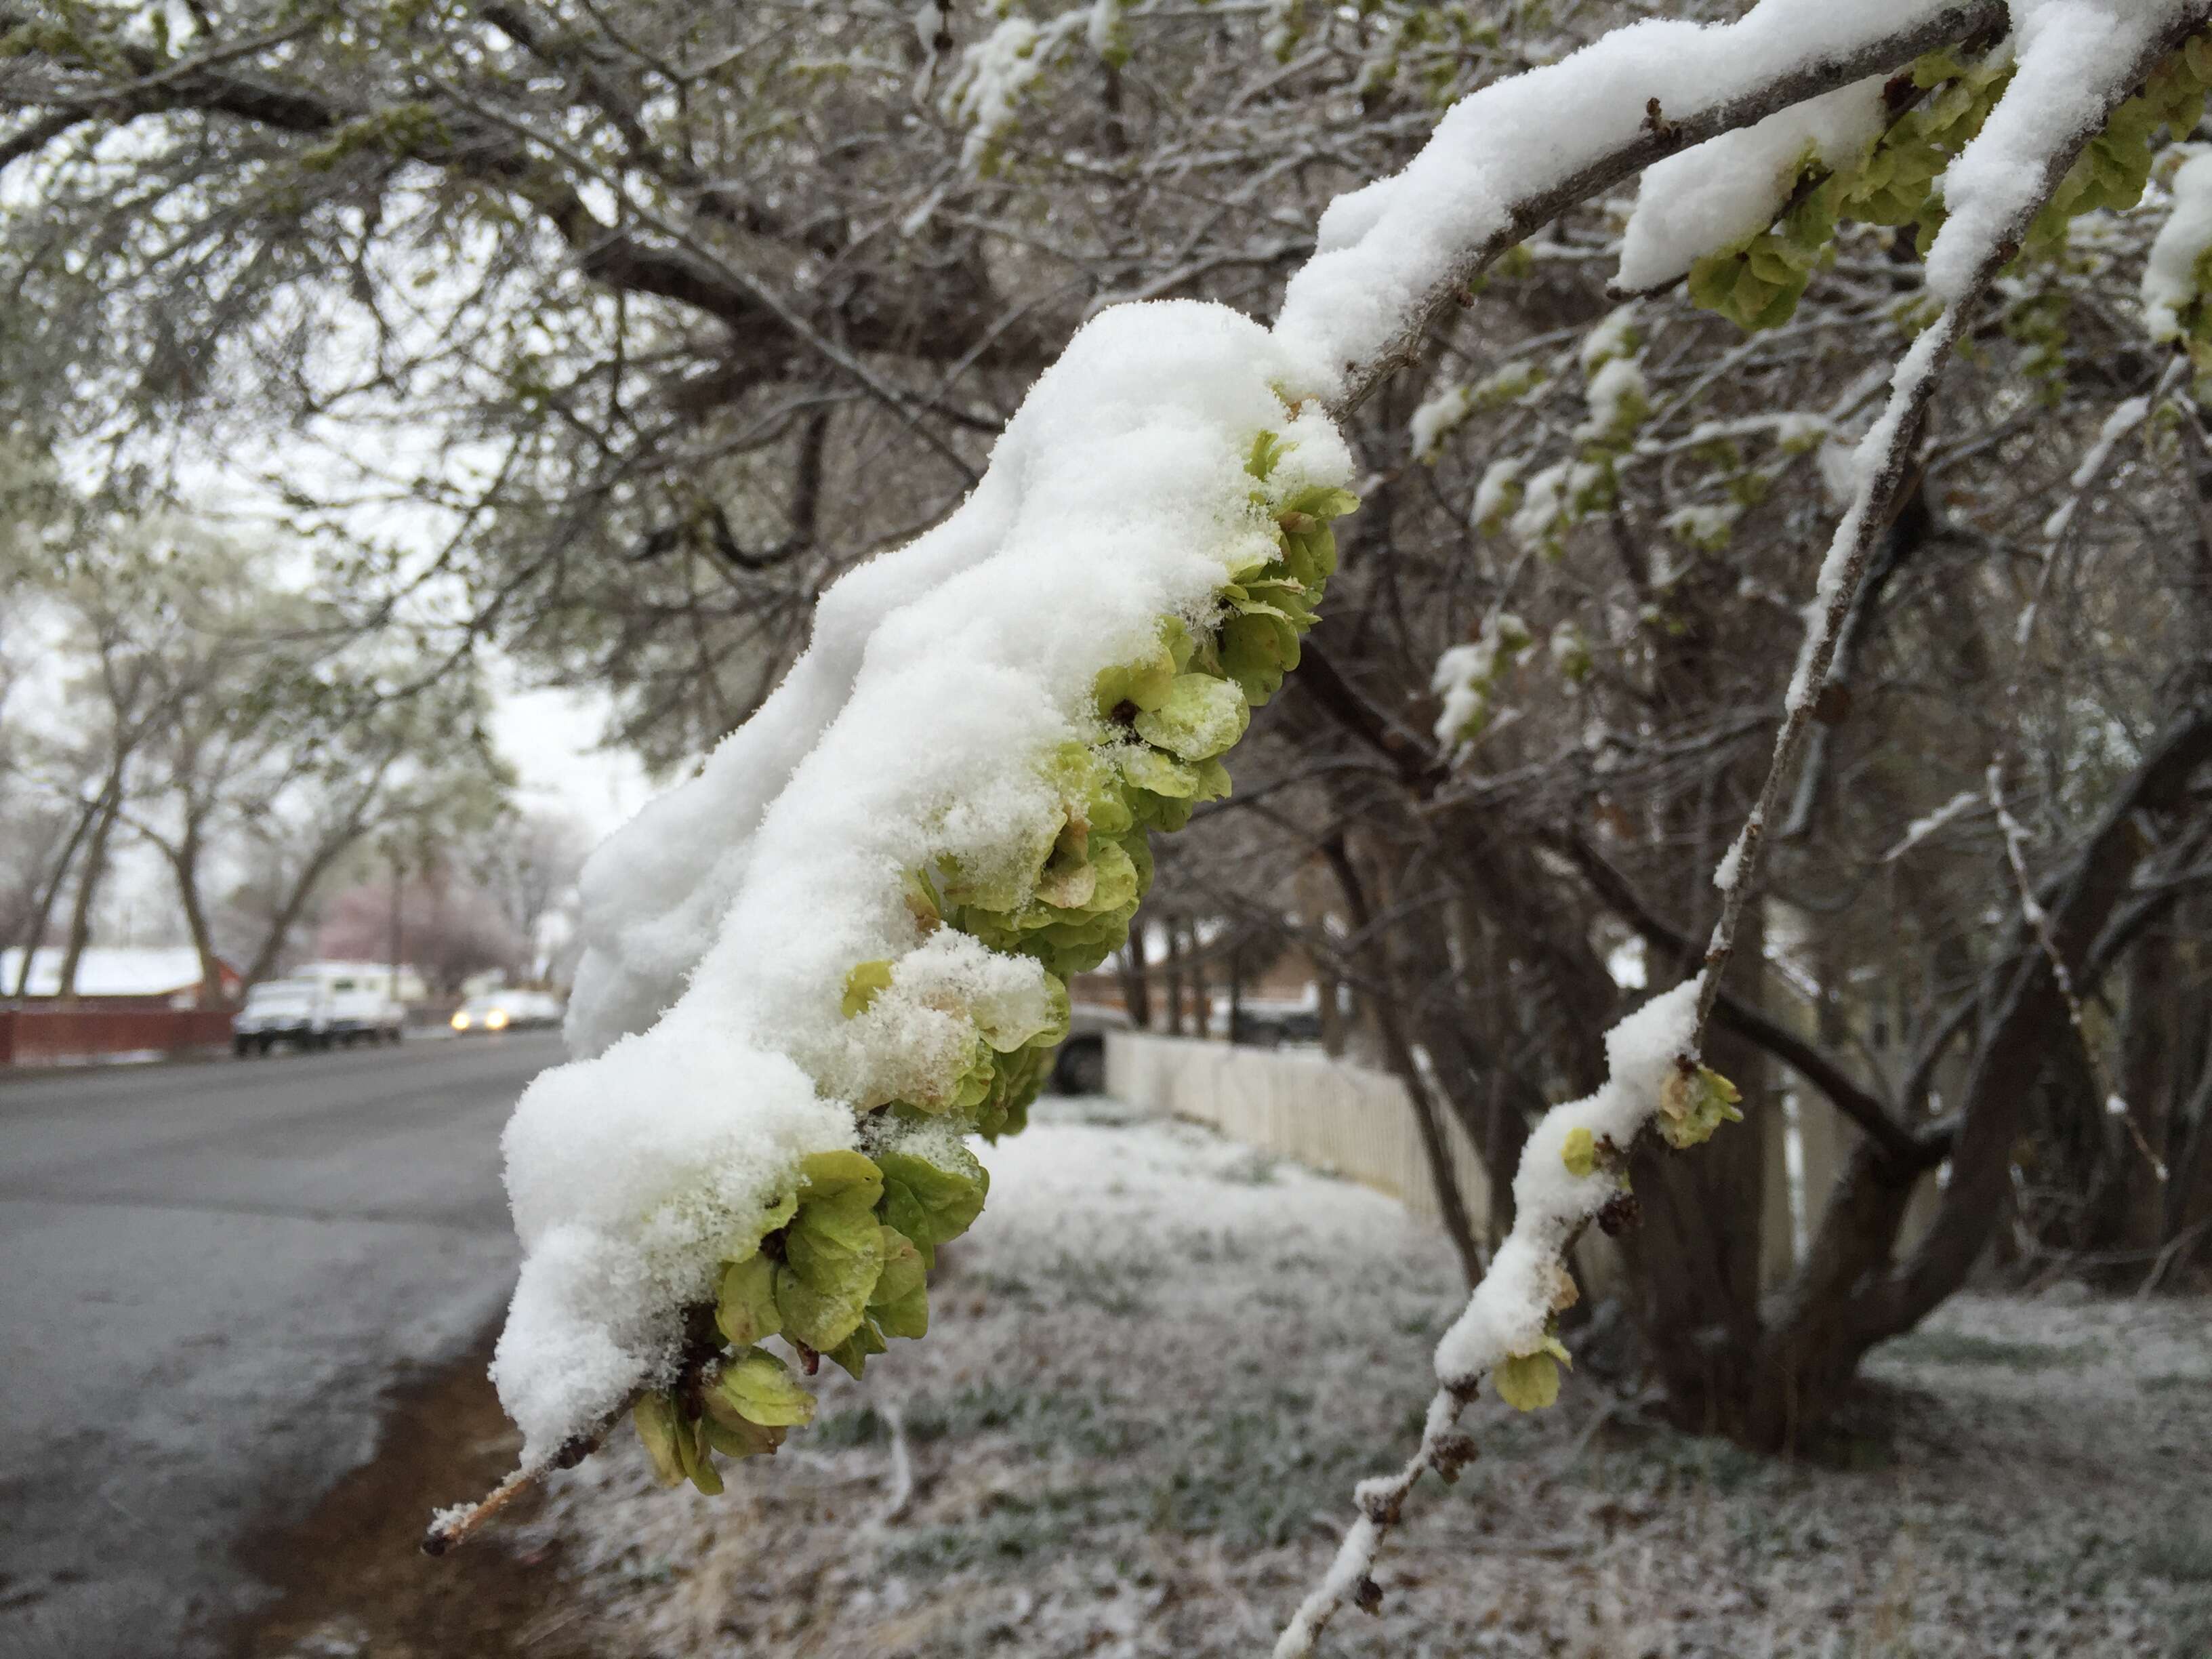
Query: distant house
[[120, 976]]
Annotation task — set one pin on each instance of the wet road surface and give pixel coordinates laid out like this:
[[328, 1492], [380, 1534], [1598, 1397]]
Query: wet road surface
[[210, 1275]]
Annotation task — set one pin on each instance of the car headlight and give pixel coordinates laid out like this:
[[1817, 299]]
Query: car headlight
[[496, 1020], [460, 1022]]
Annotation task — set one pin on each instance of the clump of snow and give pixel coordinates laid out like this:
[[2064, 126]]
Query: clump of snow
[[1613, 338], [1706, 525], [2169, 279], [997, 71], [1498, 493], [1729, 870], [1465, 674], [1797, 430], [627, 1185], [911, 732], [1716, 194], [1107, 29], [1439, 415], [1620, 398], [2071, 58], [1545, 499]]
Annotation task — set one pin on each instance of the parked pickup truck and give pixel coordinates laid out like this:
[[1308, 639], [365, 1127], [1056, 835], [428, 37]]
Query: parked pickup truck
[[314, 1014]]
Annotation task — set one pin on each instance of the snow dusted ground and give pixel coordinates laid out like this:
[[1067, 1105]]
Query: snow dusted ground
[[1160, 1359]]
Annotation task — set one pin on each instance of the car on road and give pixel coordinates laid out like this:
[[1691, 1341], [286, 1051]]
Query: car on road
[[506, 1011], [314, 1014], [1079, 1067]]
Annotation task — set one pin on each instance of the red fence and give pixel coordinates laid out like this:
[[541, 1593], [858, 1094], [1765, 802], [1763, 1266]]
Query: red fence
[[40, 1036]]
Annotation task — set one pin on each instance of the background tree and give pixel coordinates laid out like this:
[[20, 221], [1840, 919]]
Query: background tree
[[231, 712]]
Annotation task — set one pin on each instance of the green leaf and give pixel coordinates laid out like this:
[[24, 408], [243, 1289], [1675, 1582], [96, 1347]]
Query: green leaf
[[697, 1458], [1267, 449], [745, 1311], [931, 1203], [1115, 886], [1161, 775], [1257, 649], [1693, 1104], [819, 1319], [836, 1248], [1323, 502], [1579, 1153], [735, 1436], [658, 1425], [1202, 718], [1527, 1382], [862, 985], [839, 1177], [1144, 683], [854, 1351], [760, 1388], [900, 1302], [1069, 878]]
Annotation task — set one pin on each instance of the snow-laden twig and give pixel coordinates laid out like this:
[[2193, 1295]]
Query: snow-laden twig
[[1921, 828], [1568, 1178], [1509, 159]]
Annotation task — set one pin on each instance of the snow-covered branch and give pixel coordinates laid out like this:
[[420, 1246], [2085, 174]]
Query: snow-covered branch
[[1512, 157]]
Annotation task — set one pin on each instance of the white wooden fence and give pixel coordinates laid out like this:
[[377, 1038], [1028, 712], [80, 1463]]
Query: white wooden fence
[[1348, 1121], [1327, 1114]]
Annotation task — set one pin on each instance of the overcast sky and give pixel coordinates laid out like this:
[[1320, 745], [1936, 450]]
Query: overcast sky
[[552, 738]]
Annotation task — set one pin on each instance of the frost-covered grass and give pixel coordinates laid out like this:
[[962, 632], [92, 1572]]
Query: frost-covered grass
[[1151, 1379]]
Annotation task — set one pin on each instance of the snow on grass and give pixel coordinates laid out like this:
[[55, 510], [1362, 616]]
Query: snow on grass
[[1159, 1357]]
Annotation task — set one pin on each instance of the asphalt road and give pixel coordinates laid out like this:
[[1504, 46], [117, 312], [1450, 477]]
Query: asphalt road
[[209, 1275]]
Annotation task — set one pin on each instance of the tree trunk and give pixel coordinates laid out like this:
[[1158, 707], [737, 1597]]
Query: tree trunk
[[1136, 986], [1695, 1259], [1173, 931], [34, 933], [87, 888], [295, 903], [184, 864], [2188, 1206], [1850, 1294], [1194, 980]]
